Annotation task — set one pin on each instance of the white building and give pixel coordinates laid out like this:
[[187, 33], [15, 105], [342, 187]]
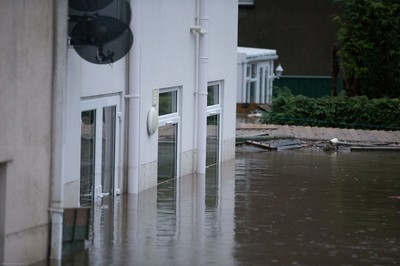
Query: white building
[[255, 74], [108, 129]]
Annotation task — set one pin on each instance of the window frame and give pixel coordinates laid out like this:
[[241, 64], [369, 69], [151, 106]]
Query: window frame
[[173, 118], [216, 109]]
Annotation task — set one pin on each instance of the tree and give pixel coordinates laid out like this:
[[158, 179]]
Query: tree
[[368, 43]]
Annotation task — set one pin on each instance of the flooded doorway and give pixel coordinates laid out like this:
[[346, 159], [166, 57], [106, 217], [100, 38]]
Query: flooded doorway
[[214, 110], [99, 149], [167, 161]]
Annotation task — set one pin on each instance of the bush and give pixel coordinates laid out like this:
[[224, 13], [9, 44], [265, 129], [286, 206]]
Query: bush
[[341, 111]]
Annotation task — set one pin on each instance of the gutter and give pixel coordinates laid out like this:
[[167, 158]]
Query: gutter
[[134, 102], [202, 29], [60, 19]]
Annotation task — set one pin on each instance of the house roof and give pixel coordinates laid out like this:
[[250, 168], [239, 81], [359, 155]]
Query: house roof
[[256, 52]]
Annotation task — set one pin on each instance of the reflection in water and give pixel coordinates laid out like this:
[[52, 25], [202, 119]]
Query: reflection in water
[[272, 208]]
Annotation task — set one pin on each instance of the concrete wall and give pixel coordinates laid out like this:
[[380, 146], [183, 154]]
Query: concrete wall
[[302, 32], [25, 123]]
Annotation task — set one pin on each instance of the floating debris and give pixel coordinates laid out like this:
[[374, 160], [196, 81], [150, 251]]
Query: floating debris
[[278, 144]]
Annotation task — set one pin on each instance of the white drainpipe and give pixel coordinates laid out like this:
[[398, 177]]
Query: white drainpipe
[[202, 87], [60, 13], [134, 102]]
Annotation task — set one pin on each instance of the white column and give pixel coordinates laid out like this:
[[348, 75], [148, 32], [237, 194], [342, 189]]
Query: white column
[[134, 101]]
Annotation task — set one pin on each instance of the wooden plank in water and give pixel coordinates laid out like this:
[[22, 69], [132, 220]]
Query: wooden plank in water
[[259, 144], [282, 143], [290, 147]]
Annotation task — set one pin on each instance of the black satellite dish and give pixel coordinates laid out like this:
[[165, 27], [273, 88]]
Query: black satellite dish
[[89, 5], [104, 36]]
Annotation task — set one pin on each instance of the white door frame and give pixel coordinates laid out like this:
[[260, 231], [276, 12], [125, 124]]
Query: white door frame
[[173, 119], [98, 104]]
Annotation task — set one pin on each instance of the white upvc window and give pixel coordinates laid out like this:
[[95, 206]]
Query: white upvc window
[[251, 83], [214, 122], [168, 133]]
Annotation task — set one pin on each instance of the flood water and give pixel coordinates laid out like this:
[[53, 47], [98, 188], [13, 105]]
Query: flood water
[[265, 208]]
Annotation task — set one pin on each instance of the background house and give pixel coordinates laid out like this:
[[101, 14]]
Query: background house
[[255, 75], [74, 132]]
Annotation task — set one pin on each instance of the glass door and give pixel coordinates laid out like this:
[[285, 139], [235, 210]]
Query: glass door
[[99, 149], [108, 147], [88, 141]]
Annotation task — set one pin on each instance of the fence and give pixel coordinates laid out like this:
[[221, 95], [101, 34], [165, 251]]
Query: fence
[[310, 86]]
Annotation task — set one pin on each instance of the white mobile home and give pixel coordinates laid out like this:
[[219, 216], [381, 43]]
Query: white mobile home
[[255, 74]]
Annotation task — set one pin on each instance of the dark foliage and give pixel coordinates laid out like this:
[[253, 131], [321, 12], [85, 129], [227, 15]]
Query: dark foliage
[[341, 111], [369, 47]]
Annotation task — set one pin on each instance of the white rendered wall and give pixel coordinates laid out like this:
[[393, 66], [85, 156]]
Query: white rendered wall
[[222, 65], [168, 59], [168, 55]]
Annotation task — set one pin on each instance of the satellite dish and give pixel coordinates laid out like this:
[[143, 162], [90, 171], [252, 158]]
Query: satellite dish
[[89, 5], [119, 9], [104, 36]]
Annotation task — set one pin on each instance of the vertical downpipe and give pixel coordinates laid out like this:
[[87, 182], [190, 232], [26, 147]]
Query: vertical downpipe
[[202, 89], [60, 13], [134, 102]]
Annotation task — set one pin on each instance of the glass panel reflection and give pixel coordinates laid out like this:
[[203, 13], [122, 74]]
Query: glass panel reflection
[[168, 103], [108, 146], [212, 149], [167, 152], [213, 95], [88, 135]]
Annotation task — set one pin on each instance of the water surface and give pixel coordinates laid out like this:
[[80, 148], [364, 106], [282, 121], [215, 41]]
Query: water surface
[[264, 208]]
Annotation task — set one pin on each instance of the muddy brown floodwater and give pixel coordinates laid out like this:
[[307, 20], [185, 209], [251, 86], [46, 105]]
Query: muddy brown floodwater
[[265, 208]]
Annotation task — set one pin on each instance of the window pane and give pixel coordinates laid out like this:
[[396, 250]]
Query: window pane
[[108, 153], [167, 103], [253, 70], [212, 140], [212, 187], [252, 92], [167, 152], [213, 95], [88, 134]]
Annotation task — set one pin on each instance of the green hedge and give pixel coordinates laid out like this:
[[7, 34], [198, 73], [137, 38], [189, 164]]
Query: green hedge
[[341, 111]]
